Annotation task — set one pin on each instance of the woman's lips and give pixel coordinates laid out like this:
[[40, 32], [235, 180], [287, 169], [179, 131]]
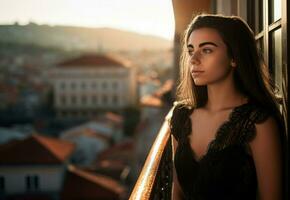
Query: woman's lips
[[196, 73]]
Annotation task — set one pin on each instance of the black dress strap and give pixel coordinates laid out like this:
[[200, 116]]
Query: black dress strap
[[179, 123], [256, 115]]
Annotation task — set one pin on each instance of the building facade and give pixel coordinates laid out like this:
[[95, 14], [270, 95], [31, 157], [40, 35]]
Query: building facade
[[91, 83]]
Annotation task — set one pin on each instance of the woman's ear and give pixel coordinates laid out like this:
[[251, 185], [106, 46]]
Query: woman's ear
[[233, 63]]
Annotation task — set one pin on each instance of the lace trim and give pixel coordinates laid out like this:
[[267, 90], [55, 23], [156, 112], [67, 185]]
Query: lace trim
[[238, 129], [249, 131]]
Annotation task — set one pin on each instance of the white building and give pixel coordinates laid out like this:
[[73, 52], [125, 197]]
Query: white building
[[34, 166], [91, 83]]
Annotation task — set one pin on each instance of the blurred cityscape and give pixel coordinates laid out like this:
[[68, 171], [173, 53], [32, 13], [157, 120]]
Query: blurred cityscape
[[79, 109]]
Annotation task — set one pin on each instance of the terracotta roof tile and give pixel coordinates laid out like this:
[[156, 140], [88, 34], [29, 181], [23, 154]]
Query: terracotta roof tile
[[112, 164], [86, 185], [87, 132], [123, 148], [92, 60], [114, 117], [36, 149]]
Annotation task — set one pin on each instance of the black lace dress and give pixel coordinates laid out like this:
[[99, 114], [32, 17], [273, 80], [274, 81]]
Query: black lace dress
[[227, 170]]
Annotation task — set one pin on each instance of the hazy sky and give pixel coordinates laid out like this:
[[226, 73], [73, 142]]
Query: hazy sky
[[154, 17]]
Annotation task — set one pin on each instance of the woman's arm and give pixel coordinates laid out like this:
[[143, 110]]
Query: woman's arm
[[266, 150], [176, 190]]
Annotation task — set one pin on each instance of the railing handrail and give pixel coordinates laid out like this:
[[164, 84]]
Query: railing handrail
[[144, 184]]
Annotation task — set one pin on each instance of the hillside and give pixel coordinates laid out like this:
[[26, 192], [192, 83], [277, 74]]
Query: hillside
[[79, 38]]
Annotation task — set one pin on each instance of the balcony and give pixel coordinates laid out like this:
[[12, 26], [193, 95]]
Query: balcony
[[155, 179]]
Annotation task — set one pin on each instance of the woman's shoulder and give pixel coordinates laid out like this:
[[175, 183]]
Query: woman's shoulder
[[181, 108], [256, 113], [253, 115], [179, 119]]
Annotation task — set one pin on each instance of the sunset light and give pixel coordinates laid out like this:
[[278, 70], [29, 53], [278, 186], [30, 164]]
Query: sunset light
[[143, 16]]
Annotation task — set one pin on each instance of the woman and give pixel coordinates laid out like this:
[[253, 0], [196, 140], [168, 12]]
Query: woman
[[228, 133]]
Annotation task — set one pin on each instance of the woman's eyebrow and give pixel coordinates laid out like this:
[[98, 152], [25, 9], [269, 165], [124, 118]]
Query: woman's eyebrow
[[202, 44]]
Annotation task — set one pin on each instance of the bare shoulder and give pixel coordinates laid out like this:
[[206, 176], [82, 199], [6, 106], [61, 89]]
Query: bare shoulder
[[267, 154], [266, 131], [266, 137]]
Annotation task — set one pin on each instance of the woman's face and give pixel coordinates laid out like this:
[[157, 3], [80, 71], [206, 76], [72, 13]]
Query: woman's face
[[209, 62]]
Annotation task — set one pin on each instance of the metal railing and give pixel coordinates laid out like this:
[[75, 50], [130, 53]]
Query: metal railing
[[155, 179]]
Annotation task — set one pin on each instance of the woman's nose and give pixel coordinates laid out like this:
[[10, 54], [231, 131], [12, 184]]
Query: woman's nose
[[195, 58]]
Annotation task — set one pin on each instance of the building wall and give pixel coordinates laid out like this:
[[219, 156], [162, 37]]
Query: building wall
[[133, 87], [50, 178], [231, 7], [82, 89], [223, 7]]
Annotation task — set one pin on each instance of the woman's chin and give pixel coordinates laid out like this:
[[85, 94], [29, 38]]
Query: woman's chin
[[198, 82]]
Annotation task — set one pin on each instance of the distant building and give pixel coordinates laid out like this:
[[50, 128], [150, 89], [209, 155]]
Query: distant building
[[102, 130], [33, 168], [8, 134], [91, 83], [94, 136], [116, 161], [81, 184], [154, 108], [89, 141]]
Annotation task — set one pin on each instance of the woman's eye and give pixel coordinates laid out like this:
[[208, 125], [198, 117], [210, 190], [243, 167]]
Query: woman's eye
[[206, 50], [190, 52]]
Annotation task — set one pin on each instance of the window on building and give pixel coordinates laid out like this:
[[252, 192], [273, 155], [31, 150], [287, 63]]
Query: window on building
[[115, 85], [36, 182], [73, 85], [275, 10], [73, 100], [267, 19], [94, 85], [62, 85], [257, 20], [104, 85], [2, 184], [84, 99], [84, 85], [62, 100], [105, 99], [276, 59], [115, 100], [271, 35], [32, 182], [94, 100]]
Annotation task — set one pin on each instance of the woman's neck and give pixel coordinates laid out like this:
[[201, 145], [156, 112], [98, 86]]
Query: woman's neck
[[223, 97]]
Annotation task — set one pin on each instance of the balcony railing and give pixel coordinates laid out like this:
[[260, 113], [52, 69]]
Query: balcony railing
[[155, 179]]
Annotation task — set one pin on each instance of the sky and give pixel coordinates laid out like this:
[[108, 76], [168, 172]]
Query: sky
[[153, 17]]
